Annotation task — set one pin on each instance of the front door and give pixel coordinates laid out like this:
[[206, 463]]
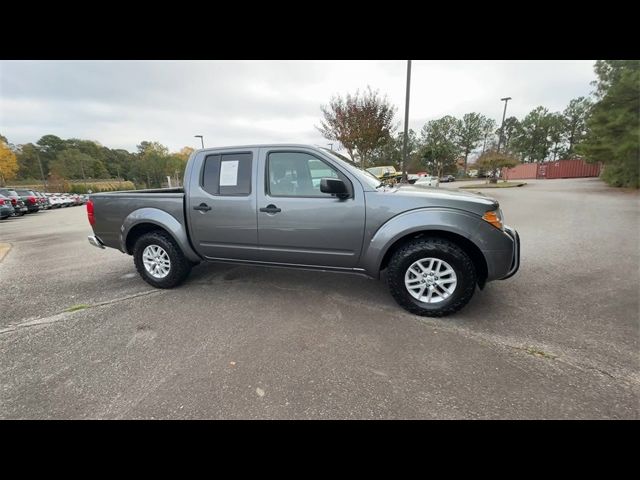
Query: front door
[[221, 205], [297, 223]]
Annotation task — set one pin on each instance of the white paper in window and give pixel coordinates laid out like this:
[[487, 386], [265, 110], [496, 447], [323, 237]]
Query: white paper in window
[[229, 173]]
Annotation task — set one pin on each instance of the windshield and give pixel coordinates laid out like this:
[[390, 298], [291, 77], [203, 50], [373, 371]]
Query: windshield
[[365, 177]]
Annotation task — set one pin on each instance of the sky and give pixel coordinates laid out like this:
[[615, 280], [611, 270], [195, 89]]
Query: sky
[[121, 103]]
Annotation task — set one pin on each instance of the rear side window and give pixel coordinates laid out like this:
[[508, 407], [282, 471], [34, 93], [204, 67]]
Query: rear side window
[[227, 174]]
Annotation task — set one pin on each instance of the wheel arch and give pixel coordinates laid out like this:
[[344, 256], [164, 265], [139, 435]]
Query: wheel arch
[[138, 231], [476, 255], [145, 220]]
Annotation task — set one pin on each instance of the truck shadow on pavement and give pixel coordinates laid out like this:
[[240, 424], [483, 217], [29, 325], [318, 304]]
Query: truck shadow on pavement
[[316, 289]]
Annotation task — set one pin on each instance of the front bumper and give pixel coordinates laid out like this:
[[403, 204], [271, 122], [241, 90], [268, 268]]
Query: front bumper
[[515, 261]]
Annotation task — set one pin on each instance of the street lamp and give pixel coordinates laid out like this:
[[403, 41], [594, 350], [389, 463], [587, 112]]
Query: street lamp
[[44, 183], [504, 113], [406, 123], [201, 139]]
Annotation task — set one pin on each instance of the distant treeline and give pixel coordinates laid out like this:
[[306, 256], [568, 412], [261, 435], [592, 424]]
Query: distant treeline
[[61, 161]]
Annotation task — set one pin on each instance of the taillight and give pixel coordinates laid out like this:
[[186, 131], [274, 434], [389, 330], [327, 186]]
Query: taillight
[[31, 200], [13, 201], [90, 215]]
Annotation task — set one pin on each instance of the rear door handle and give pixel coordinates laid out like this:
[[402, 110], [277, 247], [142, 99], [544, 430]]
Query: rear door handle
[[271, 209], [203, 207]]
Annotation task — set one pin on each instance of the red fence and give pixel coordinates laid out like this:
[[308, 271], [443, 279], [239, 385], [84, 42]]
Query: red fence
[[572, 169], [524, 170], [560, 169]]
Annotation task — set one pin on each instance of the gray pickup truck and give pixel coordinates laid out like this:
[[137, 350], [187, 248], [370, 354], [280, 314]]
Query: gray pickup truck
[[305, 207]]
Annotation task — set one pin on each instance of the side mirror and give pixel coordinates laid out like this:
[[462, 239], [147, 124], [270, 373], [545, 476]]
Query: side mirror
[[335, 186]]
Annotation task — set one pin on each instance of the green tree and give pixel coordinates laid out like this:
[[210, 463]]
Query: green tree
[[154, 164], [531, 141], [575, 120], [48, 147], [362, 123], [511, 127], [28, 164], [390, 153], [613, 129], [491, 162], [71, 163], [488, 132], [119, 163], [439, 145], [556, 128], [470, 133]]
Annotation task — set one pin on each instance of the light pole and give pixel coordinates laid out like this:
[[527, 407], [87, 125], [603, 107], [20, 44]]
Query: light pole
[[44, 183], [201, 139], [504, 113], [406, 123], [83, 175]]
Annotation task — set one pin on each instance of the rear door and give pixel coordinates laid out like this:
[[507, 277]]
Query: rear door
[[298, 224], [221, 205]]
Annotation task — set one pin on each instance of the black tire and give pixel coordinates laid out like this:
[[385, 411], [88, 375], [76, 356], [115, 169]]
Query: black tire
[[441, 249], [179, 268]]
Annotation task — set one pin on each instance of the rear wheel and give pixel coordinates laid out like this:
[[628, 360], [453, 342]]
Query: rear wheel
[[431, 277], [160, 261]]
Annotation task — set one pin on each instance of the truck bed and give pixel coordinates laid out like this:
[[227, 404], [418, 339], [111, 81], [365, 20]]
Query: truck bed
[[112, 209]]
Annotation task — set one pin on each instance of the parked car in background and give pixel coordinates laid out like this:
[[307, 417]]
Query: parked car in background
[[45, 201], [386, 174], [427, 181], [53, 200], [42, 200], [30, 199], [6, 209], [448, 178], [19, 207], [412, 177], [63, 201], [68, 200], [39, 199]]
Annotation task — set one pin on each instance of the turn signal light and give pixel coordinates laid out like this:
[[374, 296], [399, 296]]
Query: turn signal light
[[493, 218]]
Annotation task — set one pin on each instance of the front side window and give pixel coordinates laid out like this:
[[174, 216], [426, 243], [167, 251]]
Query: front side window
[[227, 174], [297, 174]]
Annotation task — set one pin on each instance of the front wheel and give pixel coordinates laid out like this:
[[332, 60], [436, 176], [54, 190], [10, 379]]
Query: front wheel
[[159, 260], [431, 277]]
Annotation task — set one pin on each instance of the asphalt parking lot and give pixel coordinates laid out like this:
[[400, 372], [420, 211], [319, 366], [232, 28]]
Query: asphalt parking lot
[[82, 336]]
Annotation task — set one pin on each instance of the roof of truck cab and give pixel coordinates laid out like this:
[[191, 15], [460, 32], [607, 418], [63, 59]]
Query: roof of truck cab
[[260, 145]]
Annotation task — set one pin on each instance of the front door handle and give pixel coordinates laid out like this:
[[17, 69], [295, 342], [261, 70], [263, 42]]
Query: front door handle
[[203, 207], [271, 209]]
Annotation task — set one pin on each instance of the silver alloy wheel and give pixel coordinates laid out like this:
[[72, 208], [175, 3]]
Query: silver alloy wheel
[[430, 280], [156, 261]]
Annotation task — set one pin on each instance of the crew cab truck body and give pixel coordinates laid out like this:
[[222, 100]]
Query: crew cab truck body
[[300, 206]]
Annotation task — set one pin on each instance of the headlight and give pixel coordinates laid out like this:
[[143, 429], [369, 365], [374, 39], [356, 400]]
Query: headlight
[[494, 217]]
